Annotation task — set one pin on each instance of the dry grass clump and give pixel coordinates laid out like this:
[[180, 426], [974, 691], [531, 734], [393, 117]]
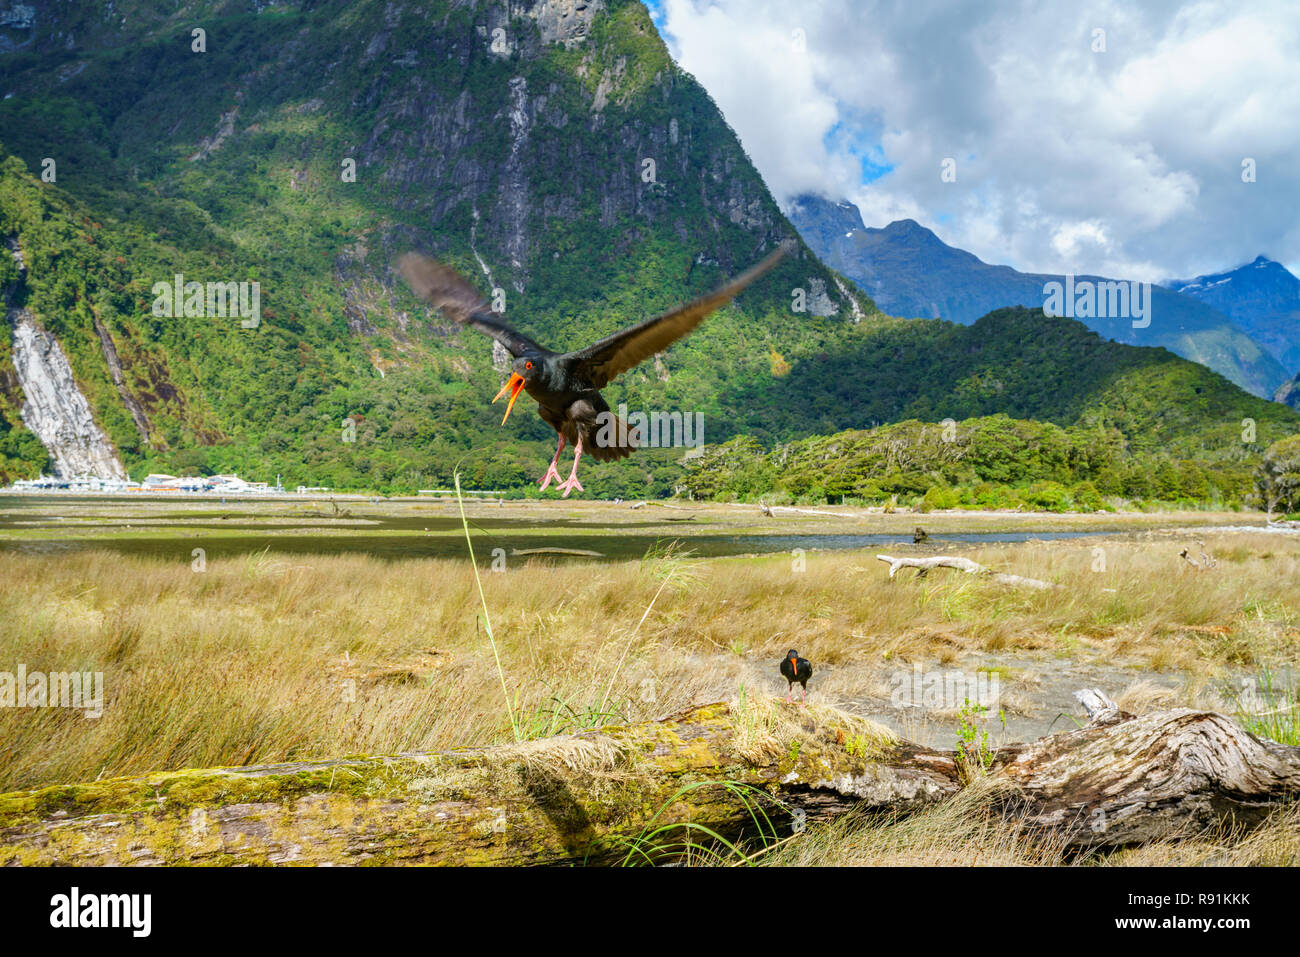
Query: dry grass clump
[[766, 728], [1274, 843], [1146, 695], [966, 830], [556, 755]]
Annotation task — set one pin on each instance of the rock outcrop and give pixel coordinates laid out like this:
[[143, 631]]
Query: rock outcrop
[[55, 409]]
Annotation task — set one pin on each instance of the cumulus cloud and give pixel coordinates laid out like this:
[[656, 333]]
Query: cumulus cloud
[[1091, 138]]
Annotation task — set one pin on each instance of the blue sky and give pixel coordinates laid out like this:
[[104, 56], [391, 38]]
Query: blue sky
[[1093, 137]]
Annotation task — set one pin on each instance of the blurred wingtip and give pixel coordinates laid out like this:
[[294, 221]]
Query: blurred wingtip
[[419, 271]]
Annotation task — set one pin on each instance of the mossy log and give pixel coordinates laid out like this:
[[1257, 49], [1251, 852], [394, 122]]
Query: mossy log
[[591, 797], [586, 797]]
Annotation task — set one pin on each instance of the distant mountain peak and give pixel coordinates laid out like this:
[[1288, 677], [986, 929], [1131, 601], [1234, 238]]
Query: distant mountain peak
[[910, 271], [909, 225], [1274, 270], [1262, 298], [913, 232]]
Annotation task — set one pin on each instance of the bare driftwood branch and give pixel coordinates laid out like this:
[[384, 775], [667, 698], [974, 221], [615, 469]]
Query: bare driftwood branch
[[1119, 781], [1101, 709], [517, 552], [961, 564]]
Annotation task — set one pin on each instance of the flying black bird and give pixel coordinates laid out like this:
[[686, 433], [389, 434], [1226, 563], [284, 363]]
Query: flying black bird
[[794, 668], [567, 385]]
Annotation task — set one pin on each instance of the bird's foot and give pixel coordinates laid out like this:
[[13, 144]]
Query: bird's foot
[[569, 485], [551, 473]]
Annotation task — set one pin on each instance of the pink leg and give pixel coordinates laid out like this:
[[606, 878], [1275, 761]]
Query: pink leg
[[804, 688], [550, 471], [572, 482], [788, 689]]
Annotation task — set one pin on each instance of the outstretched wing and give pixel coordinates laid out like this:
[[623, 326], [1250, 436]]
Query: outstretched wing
[[444, 288], [612, 356]]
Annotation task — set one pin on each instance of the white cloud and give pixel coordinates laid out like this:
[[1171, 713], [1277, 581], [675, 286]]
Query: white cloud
[[1123, 162]]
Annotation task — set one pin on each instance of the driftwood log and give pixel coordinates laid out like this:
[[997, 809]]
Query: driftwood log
[[966, 565], [1128, 780], [590, 797], [522, 552]]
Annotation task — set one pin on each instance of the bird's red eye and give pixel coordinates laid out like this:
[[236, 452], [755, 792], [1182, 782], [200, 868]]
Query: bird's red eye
[[528, 365]]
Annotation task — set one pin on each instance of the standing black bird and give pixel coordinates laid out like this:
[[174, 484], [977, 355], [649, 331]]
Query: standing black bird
[[567, 385], [794, 668]]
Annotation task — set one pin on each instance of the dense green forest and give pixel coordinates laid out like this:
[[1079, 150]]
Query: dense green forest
[[993, 462], [505, 148]]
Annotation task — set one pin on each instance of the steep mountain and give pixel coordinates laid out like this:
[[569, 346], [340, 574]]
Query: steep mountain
[[551, 150], [909, 271], [1262, 297]]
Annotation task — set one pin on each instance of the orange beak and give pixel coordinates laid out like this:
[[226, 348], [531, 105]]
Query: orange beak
[[514, 385]]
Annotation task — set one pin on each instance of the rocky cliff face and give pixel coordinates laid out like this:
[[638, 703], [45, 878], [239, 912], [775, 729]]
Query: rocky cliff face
[[1289, 393], [17, 21], [55, 410]]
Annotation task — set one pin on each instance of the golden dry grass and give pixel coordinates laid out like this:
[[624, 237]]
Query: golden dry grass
[[963, 831], [265, 659], [765, 728], [1274, 843]]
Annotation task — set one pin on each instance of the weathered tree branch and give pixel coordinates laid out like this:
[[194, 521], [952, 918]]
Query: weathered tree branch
[[1101, 709], [961, 564]]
